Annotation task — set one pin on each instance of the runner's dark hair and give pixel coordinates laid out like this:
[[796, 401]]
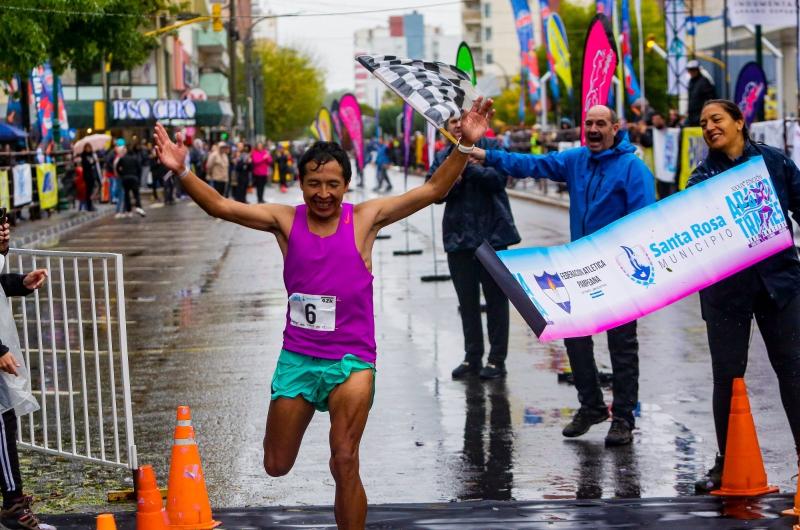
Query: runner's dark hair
[[321, 153], [733, 110]]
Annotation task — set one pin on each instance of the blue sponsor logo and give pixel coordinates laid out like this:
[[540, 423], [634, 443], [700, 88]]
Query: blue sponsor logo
[[636, 264]]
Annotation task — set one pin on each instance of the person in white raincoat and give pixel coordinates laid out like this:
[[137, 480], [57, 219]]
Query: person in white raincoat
[[15, 397]]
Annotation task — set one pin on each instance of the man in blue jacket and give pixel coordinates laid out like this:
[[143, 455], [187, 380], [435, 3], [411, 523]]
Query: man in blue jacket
[[477, 210], [606, 181]]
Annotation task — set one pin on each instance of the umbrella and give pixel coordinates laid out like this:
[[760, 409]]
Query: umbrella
[[9, 133], [97, 141]]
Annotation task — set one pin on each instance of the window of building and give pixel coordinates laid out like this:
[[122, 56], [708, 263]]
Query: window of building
[[487, 10], [489, 58], [487, 33]]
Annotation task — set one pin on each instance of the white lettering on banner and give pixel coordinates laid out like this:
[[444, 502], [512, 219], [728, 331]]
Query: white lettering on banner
[[766, 12], [650, 258], [162, 109]]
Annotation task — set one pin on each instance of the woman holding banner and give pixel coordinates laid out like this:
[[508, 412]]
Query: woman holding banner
[[768, 290]]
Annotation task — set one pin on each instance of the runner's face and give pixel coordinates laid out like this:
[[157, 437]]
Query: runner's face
[[720, 130], [323, 189]]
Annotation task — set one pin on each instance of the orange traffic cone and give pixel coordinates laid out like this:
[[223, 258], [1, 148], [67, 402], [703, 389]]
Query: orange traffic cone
[[105, 521], [150, 513], [743, 474], [187, 498]]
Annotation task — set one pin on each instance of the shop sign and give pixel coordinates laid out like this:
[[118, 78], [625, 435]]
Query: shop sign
[[171, 111]]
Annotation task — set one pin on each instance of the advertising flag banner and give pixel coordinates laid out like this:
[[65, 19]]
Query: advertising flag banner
[[666, 153], [42, 85], [631, 83], [350, 114], [337, 122], [47, 186], [530, 65], [693, 151], [646, 260], [676, 19], [5, 190], [772, 13], [605, 7], [23, 185], [751, 88], [558, 55], [599, 66], [408, 122], [314, 130], [465, 62], [324, 125]]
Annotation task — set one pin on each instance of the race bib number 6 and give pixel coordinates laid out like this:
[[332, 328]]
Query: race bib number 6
[[312, 311]]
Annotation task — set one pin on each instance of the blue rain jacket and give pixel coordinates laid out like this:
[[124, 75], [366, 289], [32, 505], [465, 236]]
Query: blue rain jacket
[[603, 187]]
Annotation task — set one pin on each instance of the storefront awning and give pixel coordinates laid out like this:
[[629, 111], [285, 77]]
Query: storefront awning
[[213, 114]]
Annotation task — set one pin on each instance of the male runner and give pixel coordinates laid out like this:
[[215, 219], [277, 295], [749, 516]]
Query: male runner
[[328, 355]]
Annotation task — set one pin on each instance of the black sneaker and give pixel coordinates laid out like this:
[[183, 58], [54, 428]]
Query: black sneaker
[[583, 420], [466, 368], [20, 517], [620, 433], [493, 371], [713, 479]]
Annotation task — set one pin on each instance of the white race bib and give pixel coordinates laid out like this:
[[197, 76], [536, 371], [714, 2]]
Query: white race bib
[[311, 311]]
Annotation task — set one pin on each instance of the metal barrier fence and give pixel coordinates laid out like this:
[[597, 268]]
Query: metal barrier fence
[[74, 341]]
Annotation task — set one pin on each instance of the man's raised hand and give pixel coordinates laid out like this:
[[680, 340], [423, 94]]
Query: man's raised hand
[[172, 155], [475, 122]]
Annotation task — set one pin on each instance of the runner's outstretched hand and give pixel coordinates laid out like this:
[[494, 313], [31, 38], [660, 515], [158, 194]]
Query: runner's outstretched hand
[[475, 122], [171, 154]]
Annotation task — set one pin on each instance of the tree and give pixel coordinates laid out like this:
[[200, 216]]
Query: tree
[[294, 87], [77, 33]]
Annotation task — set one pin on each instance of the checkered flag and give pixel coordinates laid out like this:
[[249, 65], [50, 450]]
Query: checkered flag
[[435, 90]]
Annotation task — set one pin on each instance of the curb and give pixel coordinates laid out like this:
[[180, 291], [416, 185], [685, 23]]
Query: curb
[[538, 198], [35, 238]]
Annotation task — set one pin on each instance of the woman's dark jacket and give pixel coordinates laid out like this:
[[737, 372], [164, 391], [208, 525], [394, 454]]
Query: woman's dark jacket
[[477, 206]]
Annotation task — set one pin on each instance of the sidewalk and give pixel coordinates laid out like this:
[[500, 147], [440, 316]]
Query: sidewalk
[[689, 513], [30, 234]]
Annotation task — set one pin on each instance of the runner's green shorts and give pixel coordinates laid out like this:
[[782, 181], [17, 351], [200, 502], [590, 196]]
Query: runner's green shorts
[[314, 378]]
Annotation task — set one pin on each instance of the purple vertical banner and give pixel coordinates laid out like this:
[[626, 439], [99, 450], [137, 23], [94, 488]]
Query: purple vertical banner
[[605, 7], [337, 123], [350, 114], [599, 66], [530, 65], [631, 84], [751, 88], [408, 121]]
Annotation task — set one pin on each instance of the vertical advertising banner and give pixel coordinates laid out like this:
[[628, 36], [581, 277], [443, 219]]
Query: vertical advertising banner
[[47, 186], [5, 190], [350, 114], [599, 66], [666, 153], [606, 7], [530, 65], [631, 83], [465, 62], [558, 55], [751, 88], [23, 185], [42, 86], [408, 123], [337, 123], [676, 16], [324, 125], [693, 151], [648, 259]]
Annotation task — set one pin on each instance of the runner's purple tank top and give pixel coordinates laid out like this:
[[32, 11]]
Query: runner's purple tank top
[[330, 312]]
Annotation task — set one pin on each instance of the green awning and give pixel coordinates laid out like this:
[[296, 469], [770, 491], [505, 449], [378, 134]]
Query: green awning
[[80, 114], [213, 113]]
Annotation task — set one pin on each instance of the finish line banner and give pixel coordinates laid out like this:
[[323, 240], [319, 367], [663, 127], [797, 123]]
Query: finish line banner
[[646, 260]]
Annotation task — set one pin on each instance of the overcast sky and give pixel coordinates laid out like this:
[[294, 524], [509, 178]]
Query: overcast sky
[[330, 38]]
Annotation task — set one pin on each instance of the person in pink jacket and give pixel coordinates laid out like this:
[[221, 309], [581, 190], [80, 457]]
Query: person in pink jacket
[[262, 162]]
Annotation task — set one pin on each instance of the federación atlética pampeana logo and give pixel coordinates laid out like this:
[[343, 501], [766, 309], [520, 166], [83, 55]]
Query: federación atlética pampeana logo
[[554, 289]]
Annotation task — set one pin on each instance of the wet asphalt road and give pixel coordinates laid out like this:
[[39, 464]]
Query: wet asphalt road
[[206, 308]]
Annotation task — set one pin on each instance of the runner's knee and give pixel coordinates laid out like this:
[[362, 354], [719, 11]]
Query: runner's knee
[[344, 463]]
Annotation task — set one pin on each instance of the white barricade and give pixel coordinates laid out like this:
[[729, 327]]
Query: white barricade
[[74, 340]]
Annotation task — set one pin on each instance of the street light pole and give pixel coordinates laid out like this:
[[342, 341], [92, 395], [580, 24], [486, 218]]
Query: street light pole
[[232, 66]]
